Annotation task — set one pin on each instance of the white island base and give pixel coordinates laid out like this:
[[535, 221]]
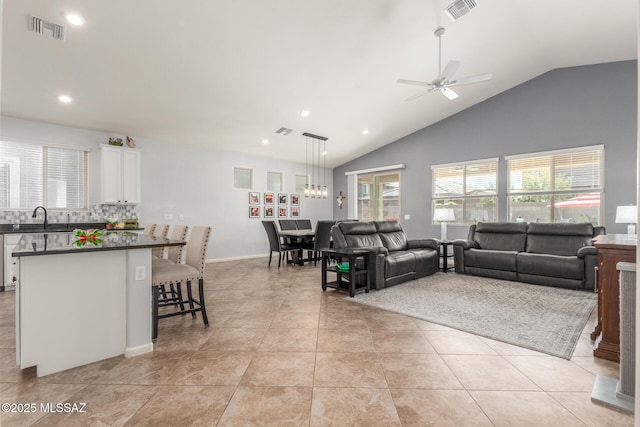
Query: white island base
[[77, 308]]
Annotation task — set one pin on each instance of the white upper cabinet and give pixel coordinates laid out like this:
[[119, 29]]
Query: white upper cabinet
[[120, 175]]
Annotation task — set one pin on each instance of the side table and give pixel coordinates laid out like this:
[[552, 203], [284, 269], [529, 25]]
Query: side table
[[445, 255], [346, 280]]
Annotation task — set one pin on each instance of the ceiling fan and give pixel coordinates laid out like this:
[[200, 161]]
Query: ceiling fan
[[443, 82]]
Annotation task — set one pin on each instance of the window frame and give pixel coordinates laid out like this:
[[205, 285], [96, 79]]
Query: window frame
[[464, 195], [376, 207], [240, 168], [281, 176], [45, 147], [553, 190]]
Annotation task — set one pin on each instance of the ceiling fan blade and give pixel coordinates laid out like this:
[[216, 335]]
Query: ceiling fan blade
[[449, 93], [414, 82], [449, 70], [419, 94], [473, 79]]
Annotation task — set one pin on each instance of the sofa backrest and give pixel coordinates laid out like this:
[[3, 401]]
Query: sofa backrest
[[502, 236], [392, 235], [558, 238], [359, 234]]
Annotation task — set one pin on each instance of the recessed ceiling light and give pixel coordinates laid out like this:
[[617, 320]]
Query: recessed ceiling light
[[265, 141], [305, 113], [74, 19], [324, 153], [64, 99], [365, 131]]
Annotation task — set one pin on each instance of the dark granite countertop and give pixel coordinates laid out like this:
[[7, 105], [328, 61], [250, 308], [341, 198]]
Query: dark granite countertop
[[54, 228], [67, 243]]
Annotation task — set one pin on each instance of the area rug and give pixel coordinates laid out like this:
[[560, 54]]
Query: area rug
[[541, 318]]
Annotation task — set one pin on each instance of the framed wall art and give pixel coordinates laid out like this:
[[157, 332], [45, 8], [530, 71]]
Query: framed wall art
[[268, 198], [282, 212], [268, 211], [254, 198], [282, 198], [295, 199], [254, 211], [295, 212]]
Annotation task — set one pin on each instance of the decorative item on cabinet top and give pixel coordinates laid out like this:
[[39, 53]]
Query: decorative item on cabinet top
[[115, 141]]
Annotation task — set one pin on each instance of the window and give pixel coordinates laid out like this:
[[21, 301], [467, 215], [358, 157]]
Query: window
[[33, 175], [301, 183], [468, 188], [379, 197], [557, 186], [242, 178], [274, 181]]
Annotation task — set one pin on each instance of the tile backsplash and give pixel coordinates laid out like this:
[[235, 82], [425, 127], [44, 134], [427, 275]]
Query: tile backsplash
[[95, 213]]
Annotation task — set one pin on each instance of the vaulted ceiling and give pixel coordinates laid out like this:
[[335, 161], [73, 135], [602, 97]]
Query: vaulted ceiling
[[228, 74]]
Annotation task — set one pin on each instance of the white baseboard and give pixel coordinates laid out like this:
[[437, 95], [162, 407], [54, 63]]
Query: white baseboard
[[237, 258], [137, 351]]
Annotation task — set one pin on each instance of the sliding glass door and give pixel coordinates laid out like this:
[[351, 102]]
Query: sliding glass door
[[379, 197]]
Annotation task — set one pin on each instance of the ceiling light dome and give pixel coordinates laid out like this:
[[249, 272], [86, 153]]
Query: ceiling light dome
[[74, 19], [65, 99]]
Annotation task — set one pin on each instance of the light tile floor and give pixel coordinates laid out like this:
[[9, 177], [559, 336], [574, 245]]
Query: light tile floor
[[281, 352]]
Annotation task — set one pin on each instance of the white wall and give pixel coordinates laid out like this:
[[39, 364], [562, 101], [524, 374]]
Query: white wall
[[192, 182]]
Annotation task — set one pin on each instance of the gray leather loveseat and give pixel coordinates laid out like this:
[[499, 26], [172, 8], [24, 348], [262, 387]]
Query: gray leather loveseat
[[554, 254], [394, 259]]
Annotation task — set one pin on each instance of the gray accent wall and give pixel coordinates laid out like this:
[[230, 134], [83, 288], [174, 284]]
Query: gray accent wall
[[564, 108]]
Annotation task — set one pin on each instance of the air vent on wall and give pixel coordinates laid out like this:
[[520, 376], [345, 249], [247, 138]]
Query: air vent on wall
[[284, 131], [459, 8], [46, 28]]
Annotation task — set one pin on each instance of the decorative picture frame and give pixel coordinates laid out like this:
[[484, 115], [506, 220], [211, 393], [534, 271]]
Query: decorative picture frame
[[282, 198], [268, 198], [282, 212], [254, 211], [295, 199], [295, 212], [268, 211], [254, 198]]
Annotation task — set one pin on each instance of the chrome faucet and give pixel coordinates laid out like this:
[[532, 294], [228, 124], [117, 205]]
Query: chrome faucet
[[45, 215]]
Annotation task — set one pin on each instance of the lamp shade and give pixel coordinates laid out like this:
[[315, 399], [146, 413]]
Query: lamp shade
[[627, 214], [443, 214]]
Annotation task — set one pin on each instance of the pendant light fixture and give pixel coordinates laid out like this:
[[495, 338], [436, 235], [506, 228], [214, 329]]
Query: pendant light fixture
[[317, 146]]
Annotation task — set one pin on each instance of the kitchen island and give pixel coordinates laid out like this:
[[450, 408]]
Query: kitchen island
[[79, 301]]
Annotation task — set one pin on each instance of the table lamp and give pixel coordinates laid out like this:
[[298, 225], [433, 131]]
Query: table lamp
[[443, 215], [627, 215]]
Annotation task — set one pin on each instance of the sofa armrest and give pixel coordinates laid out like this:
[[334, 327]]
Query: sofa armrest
[[465, 244], [423, 243], [587, 250], [378, 250]]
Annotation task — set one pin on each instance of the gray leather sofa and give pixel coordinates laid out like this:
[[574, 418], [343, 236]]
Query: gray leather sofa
[[554, 254], [394, 259]]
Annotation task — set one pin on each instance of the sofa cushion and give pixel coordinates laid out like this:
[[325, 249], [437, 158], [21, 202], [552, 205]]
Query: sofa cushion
[[360, 234], [567, 267], [398, 263], [501, 236], [558, 239], [426, 259], [394, 241], [495, 260]]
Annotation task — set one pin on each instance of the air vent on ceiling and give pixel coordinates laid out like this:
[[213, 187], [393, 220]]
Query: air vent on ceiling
[[284, 131], [459, 8], [46, 28]]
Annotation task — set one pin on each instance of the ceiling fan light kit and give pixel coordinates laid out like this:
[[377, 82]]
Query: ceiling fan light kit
[[444, 82]]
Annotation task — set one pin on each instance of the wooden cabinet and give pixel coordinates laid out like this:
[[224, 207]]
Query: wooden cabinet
[[120, 175], [612, 249]]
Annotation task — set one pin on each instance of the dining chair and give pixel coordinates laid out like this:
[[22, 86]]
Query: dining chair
[[174, 256], [148, 229], [178, 273], [321, 240], [288, 224], [275, 242], [160, 230], [303, 224]]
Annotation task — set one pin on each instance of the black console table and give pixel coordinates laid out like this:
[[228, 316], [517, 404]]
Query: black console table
[[358, 260]]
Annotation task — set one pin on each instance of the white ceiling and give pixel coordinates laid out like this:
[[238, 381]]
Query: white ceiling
[[228, 74]]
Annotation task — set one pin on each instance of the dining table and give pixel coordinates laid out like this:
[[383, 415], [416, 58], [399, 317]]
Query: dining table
[[296, 238]]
